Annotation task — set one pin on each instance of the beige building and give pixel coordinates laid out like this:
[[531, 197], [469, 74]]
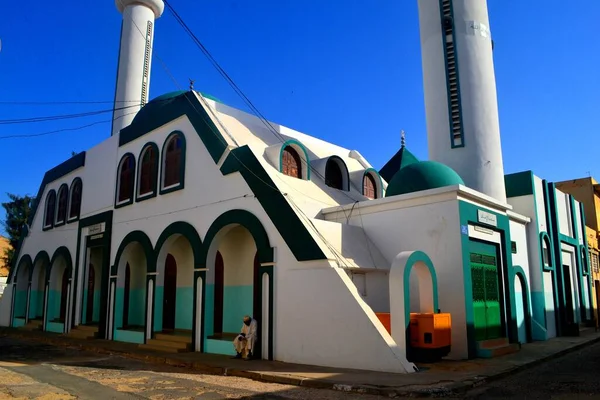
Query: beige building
[[4, 244], [587, 191]]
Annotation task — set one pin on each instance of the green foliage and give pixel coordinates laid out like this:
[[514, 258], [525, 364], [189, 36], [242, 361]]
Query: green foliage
[[17, 209]]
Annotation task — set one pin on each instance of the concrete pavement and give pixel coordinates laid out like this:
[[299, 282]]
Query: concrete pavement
[[443, 378]]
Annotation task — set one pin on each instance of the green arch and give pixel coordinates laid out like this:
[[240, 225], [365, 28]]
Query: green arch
[[544, 235], [118, 178], [248, 221], [334, 157], [66, 254], [154, 172], [24, 259], [45, 259], [306, 158], [141, 238], [181, 184], [379, 189], [519, 272], [186, 230], [415, 257]]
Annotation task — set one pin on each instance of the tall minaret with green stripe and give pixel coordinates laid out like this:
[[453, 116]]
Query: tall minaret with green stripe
[[461, 105]]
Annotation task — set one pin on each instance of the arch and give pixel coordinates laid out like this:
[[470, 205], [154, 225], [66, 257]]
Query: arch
[[125, 181], [336, 174], [57, 291], [147, 171], [400, 300], [45, 259], [248, 221], [75, 195], [520, 273], [49, 210], [141, 238], [184, 229], [549, 256], [62, 200], [301, 151], [173, 163], [377, 181], [66, 254], [25, 259]]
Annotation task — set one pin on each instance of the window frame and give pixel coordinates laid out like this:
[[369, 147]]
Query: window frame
[[302, 153], [76, 181], [45, 226], [129, 199], [153, 172], [62, 189], [344, 174], [182, 162]]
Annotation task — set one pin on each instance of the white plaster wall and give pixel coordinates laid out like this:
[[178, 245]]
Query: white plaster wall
[[518, 234], [549, 300], [5, 305], [564, 213], [98, 176], [238, 250], [538, 184]]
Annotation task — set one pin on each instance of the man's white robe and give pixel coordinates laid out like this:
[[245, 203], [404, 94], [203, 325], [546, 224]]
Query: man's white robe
[[248, 344]]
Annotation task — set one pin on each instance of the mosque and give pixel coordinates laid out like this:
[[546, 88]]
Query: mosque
[[193, 214]]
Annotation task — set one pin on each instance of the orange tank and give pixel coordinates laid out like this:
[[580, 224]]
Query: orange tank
[[385, 320], [430, 331]]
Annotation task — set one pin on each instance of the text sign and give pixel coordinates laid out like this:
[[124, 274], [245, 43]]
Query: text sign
[[95, 229], [487, 218]]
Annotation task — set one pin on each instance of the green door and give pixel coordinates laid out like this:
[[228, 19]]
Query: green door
[[486, 297]]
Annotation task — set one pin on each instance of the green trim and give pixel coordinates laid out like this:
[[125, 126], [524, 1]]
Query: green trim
[[154, 172], [306, 160], [345, 169], [415, 257], [141, 238], [181, 184], [105, 241], [518, 271], [45, 227], [57, 223], [553, 224], [377, 178], [44, 258], [74, 219], [468, 216], [446, 67], [297, 237], [542, 268], [248, 221], [184, 103], [184, 229], [519, 184], [552, 265], [118, 182]]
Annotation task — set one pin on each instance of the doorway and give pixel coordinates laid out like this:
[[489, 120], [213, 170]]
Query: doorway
[[219, 291], [486, 296], [126, 288], [90, 294], [169, 294], [569, 314]]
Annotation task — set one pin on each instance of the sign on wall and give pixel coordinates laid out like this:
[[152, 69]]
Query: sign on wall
[[95, 229], [487, 218]]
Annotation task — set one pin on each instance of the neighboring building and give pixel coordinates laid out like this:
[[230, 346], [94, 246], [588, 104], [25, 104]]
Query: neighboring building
[[4, 245], [587, 191], [193, 214]]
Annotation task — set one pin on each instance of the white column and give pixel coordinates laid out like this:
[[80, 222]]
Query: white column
[[198, 317], [135, 58]]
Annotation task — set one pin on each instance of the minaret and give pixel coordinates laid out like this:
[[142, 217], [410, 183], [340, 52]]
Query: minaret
[[135, 58], [461, 106]]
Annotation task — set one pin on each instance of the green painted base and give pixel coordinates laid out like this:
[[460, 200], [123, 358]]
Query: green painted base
[[219, 347], [122, 335], [17, 322], [55, 327]]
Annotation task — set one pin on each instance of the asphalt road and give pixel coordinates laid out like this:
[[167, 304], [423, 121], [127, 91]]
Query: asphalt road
[[31, 370]]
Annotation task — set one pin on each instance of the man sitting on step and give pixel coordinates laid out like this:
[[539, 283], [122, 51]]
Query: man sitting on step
[[246, 339]]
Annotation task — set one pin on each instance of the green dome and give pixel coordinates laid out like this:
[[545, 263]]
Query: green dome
[[422, 175]]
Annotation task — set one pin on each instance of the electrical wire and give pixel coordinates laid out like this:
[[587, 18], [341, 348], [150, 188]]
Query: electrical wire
[[59, 117]]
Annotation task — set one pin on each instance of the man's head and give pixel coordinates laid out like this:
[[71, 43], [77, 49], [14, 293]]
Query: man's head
[[247, 320]]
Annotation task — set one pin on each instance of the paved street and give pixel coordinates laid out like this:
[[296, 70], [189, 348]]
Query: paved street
[[31, 370]]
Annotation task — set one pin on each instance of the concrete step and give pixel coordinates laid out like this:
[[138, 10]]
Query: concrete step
[[174, 338], [165, 349], [167, 343], [82, 334], [498, 351], [492, 343], [88, 328]]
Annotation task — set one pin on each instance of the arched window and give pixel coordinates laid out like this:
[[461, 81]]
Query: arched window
[[546, 259], [126, 178], [291, 164], [148, 170], [75, 201], [63, 199], [50, 207], [333, 174], [173, 161], [369, 186]]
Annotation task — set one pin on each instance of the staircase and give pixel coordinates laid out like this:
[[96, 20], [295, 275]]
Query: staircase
[[84, 332], [33, 325], [169, 343], [496, 348]]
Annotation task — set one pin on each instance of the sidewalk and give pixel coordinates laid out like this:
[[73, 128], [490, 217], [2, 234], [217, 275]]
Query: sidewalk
[[443, 378]]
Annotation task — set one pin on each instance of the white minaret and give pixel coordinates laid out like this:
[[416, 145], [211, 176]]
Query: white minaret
[[135, 58], [461, 106]]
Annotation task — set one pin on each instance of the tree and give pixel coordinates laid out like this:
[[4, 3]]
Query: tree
[[18, 209]]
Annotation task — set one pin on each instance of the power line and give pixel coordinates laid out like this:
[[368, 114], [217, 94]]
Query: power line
[[44, 103], [58, 117]]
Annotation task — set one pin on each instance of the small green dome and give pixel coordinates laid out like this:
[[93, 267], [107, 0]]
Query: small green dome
[[422, 175], [153, 106]]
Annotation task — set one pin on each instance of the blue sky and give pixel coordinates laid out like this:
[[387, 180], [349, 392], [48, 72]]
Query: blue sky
[[350, 75]]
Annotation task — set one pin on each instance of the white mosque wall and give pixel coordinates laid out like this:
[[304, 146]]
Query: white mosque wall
[[98, 177], [5, 305]]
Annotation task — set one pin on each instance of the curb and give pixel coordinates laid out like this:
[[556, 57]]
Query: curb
[[453, 389]]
